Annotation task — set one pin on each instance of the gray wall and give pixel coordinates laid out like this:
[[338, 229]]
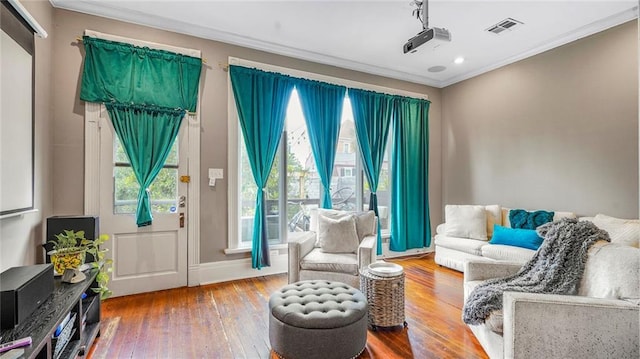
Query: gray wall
[[68, 130], [21, 236], [556, 131]]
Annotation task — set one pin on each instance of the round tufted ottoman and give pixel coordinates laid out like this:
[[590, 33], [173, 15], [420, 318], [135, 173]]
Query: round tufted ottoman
[[318, 319]]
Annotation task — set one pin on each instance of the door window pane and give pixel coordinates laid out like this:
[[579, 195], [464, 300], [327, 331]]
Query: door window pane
[[163, 191]]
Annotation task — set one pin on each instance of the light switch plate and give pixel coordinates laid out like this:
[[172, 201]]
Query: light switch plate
[[216, 173]]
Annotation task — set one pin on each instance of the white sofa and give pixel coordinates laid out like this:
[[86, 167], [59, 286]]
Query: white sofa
[[601, 321], [453, 252], [556, 326]]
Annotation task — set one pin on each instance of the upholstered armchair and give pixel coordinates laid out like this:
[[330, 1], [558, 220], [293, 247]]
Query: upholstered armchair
[[338, 245], [555, 326]]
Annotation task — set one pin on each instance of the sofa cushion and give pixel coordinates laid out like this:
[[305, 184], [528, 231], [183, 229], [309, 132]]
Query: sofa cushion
[[517, 237], [330, 262], [612, 271], [337, 235], [471, 246], [520, 218], [556, 216], [621, 231], [501, 252], [466, 221]]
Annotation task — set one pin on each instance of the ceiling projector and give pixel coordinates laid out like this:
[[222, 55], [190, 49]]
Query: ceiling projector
[[434, 36]]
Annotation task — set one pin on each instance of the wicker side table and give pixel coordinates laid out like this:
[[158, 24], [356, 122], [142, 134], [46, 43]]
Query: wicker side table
[[385, 295]]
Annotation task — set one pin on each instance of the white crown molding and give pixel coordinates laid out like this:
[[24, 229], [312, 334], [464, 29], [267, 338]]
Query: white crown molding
[[103, 9], [563, 39]]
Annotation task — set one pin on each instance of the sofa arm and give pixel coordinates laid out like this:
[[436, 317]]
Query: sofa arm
[[367, 251], [479, 270], [298, 248], [563, 326]]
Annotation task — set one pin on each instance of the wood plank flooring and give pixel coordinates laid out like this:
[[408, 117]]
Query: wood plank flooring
[[230, 320]]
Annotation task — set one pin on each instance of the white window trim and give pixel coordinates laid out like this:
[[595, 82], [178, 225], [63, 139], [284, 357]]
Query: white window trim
[[233, 241], [93, 113]]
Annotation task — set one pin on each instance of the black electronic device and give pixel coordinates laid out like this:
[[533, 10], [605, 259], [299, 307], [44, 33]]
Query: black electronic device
[[58, 224], [22, 290]]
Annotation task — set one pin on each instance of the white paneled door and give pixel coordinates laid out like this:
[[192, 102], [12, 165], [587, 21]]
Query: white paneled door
[[144, 258]]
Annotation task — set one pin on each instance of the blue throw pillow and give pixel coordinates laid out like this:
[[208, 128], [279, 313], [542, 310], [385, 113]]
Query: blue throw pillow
[[525, 238], [519, 218]]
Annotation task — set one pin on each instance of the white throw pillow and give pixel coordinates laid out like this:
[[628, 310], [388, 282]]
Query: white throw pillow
[[611, 271], [621, 231], [365, 223], [494, 216], [465, 221], [337, 235]]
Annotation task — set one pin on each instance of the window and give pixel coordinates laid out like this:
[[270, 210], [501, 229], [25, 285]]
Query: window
[[301, 179], [294, 186], [164, 190], [384, 191]]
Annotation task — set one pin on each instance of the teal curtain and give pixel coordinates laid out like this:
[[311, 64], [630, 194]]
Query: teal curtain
[[410, 225], [147, 134], [118, 72], [372, 114], [146, 92], [322, 108], [261, 99]]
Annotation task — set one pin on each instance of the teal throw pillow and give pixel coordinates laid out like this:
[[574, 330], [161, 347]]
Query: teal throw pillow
[[519, 218], [525, 238]]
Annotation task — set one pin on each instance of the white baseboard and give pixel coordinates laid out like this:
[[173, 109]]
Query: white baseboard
[[224, 271], [386, 253]]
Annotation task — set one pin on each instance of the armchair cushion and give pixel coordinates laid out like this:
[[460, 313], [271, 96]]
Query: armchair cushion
[[317, 260], [337, 235], [365, 223]]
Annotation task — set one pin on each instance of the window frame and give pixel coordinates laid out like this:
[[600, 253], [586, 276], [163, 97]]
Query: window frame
[[234, 244]]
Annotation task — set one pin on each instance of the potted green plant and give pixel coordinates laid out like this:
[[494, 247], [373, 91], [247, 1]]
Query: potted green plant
[[69, 252]]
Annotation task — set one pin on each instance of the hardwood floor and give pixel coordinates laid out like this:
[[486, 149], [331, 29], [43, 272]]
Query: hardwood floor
[[230, 320]]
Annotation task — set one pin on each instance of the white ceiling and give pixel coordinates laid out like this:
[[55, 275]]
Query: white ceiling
[[368, 35]]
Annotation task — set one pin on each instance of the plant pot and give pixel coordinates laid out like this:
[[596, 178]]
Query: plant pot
[[67, 260]]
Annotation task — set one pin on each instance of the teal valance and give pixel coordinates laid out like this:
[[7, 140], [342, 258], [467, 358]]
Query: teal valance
[[124, 73]]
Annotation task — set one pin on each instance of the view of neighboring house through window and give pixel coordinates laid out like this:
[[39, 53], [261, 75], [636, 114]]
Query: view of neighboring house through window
[[299, 190], [164, 190]]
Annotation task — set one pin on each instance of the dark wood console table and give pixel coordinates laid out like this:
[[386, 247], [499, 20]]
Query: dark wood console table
[[41, 325]]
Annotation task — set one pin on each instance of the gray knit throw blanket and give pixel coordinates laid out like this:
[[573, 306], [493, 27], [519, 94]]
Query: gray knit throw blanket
[[556, 268]]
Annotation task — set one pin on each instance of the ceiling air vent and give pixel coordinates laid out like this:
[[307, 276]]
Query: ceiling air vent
[[506, 24]]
